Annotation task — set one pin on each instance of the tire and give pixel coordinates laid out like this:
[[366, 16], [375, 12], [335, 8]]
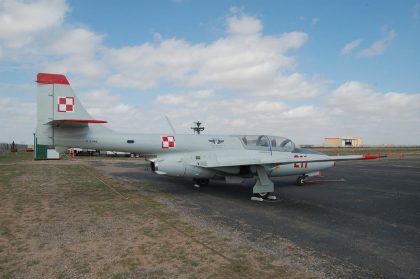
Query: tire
[[300, 181], [263, 195], [202, 182]]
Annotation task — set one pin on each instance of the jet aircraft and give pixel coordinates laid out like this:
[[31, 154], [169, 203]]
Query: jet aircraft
[[62, 121]]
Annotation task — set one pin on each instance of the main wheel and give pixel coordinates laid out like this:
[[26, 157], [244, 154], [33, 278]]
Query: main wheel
[[263, 195], [300, 181], [202, 182]]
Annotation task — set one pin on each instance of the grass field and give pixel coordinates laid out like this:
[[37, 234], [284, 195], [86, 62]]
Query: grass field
[[63, 219]]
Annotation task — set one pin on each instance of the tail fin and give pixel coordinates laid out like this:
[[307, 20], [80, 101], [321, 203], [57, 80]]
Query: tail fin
[[57, 104]]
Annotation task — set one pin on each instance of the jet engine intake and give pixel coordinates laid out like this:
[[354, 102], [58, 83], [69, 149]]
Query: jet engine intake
[[168, 166], [175, 166]]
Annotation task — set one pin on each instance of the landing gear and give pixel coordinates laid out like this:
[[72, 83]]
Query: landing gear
[[300, 181], [264, 196], [264, 187], [201, 182]]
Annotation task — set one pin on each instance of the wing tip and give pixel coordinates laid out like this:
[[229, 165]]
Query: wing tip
[[372, 157]]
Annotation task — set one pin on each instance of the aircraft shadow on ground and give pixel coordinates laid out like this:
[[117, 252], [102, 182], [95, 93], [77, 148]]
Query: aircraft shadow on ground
[[241, 193]]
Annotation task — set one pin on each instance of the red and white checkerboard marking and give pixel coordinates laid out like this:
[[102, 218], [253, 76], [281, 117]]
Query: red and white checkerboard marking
[[168, 142], [65, 104]]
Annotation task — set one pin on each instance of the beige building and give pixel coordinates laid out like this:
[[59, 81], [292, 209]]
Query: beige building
[[342, 141]]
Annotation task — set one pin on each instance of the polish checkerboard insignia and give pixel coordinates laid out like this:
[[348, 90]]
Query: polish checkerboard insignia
[[65, 104], [168, 142]]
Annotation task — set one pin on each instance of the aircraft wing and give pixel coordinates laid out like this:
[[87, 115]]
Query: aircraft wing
[[246, 161]]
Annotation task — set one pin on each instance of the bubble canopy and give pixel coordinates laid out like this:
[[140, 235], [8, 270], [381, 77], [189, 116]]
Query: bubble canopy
[[265, 142]]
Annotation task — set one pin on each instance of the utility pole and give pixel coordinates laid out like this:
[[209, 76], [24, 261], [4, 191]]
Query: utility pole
[[197, 129]]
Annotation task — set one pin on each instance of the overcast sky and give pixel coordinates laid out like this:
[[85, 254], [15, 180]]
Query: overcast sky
[[299, 69]]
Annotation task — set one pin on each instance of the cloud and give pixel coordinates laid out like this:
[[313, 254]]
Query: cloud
[[241, 82], [355, 96], [353, 108], [78, 41], [378, 47], [243, 25], [78, 51], [20, 21], [32, 33], [245, 64], [315, 20], [243, 61], [349, 47], [356, 108], [184, 98], [144, 66], [120, 116], [15, 112]]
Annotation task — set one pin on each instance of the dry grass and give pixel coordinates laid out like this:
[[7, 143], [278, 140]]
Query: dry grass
[[62, 219]]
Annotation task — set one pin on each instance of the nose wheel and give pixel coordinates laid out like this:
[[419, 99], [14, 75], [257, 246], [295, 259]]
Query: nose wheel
[[300, 181]]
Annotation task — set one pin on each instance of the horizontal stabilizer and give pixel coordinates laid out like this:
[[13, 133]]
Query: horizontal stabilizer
[[82, 121], [75, 122]]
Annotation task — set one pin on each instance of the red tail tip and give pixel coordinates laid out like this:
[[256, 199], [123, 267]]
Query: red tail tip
[[45, 78], [370, 157]]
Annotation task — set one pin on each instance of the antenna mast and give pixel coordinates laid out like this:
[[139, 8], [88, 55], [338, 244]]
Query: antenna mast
[[197, 129]]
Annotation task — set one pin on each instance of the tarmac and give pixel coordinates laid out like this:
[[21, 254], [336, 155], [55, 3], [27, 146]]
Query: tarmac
[[363, 215]]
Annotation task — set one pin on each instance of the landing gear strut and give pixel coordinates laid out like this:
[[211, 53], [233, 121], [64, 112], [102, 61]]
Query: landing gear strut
[[264, 187], [201, 182], [300, 181]]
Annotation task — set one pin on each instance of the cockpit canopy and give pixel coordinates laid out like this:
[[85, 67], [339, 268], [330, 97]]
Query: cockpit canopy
[[264, 142]]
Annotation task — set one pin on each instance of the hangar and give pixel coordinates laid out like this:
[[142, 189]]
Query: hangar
[[343, 141]]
